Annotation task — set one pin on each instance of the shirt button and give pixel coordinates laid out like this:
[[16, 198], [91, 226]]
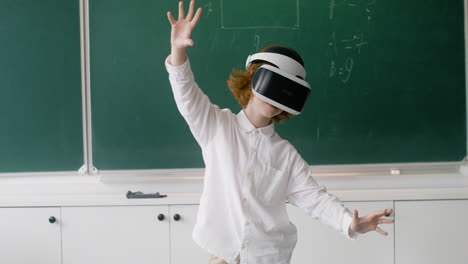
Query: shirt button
[[247, 223], [249, 173], [252, 150], [244, 199], [243, 246], [256, 131]]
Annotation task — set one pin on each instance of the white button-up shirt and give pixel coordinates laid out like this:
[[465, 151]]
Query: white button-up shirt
[[250, 173]]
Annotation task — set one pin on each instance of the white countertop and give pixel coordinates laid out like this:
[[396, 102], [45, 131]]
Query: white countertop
[[193, 198], [185, 188]]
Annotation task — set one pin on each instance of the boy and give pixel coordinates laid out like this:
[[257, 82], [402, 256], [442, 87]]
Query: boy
[[250, 171]]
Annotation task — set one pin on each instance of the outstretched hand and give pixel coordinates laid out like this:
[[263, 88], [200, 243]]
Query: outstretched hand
[[183, 27], [370, 222]]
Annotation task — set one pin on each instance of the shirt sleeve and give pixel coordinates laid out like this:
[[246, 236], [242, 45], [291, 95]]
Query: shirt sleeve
[[305, 193], [196, 108]]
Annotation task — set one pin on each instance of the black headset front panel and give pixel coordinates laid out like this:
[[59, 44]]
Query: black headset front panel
[[280, 89]]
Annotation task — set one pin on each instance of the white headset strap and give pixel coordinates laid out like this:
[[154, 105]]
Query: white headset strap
[[286, 75], [283, 62]]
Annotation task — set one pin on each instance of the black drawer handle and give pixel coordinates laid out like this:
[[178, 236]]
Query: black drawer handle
[[176, 217], [52, 219]]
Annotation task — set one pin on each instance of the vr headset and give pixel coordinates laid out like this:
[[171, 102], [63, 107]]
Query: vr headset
[[281, 84]]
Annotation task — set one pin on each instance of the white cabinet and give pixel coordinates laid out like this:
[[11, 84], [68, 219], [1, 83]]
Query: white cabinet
[[30, 235], [130, 234], [431, 232], [318, 243], [424, 232], [116, 234], [183, 248]]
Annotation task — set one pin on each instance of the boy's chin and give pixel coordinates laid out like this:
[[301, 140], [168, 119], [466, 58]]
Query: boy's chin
[[271, 114]]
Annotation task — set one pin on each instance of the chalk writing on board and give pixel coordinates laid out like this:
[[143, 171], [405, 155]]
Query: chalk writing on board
[[332, 8], [207, 9], [348, 68], [346, 43], [256, 42], [360, 4], [343, 72], [355, 42]]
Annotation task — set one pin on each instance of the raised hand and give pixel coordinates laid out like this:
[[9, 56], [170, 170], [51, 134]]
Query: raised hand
[[181, 31], [183, 27], [370, 222]]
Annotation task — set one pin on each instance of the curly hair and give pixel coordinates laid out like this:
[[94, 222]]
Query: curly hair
[[239, 83]]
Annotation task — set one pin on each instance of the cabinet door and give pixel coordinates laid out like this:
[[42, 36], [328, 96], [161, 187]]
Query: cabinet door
[[27, 236], [431, 232], [318, 243], [115, 234], [183, 249]]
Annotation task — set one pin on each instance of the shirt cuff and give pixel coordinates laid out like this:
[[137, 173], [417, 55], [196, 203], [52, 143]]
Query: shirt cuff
[[178, 71], [348, 219]]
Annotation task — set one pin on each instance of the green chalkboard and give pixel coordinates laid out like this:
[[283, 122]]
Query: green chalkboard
[[388, 78], [40, 86]]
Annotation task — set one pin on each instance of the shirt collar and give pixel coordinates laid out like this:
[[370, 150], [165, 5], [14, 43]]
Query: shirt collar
[[246, 125]]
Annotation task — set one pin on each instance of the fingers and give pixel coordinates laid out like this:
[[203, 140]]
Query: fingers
[[355, 215], [189, 42], [385, 212], [190, 16], [171, 18], [386, 221], [381, 231], [181, 10], [389, 212], [190, 12], [197, 16]]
